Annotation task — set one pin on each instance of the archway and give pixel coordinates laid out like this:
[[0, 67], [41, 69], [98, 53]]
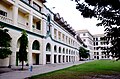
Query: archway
[[35, 55]]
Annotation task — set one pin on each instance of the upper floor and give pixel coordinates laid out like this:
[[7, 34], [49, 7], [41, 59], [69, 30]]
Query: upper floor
[[34, 16]]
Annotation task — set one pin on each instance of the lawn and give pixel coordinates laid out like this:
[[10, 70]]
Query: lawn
[[99, 69]]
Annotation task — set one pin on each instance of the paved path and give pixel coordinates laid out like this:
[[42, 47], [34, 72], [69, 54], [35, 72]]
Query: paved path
[[37, 70]]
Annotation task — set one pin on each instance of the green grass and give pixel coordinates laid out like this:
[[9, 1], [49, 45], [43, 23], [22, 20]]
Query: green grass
[[98, 67]]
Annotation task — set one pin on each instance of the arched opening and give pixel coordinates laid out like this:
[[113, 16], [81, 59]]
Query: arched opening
[[66, 51], [35, 56], [59, 49], [55, 48], [48, 56], [63, 50], [48, 47], [36, 45], [69, 51]]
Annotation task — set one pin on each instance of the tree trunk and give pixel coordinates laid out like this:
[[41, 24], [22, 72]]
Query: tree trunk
[[22, 64]]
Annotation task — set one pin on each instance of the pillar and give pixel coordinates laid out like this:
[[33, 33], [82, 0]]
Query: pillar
[[30, 53], [30, 20], [52, 54], [15, 13], [13, 49]]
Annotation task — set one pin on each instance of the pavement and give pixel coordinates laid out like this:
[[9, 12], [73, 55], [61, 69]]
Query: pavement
[[15, 73]]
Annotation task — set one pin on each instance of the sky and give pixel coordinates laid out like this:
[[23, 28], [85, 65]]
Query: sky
[[67, 10]]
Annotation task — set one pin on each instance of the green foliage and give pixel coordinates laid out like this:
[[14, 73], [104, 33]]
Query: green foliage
[[22, 54], [108, 12], [4, 52], [5, 40], [83, 53]]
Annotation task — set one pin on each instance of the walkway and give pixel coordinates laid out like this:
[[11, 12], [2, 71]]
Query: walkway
[[37, 70]]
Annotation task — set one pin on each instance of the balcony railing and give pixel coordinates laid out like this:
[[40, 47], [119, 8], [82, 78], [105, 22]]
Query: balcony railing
[[6, 19], [21, 25], [37, 31]]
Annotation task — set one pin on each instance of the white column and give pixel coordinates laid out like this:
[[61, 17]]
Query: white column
[[52, 54], [15, 13], [61, 60], [57, 58], [30, 20], [30, 53], [13, 49], [52, 31], [43, 52], [44, 25]]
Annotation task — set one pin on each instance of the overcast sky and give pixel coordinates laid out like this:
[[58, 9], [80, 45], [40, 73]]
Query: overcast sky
[[67, 10]]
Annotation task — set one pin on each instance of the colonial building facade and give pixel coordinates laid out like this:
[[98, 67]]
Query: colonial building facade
[[51, 39]]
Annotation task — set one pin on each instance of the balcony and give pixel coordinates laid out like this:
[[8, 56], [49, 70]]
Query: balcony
[[23, 26], [37, 31], [6, 19]]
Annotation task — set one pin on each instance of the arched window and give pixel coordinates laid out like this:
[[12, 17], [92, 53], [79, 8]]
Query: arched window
[[66, 51], [69, 51], [35, 45], [63, 50], [55, 48], [59, 49], [48, 47]]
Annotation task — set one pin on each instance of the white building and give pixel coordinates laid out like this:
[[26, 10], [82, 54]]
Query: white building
[[51, 39], [87, 38], [99, 45], [95, 44]]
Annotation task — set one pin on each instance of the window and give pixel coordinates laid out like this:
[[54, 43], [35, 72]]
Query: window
[[63, 37], [96, 43], [3, 13], [97, 53], [96, 39], [66, 51], [66, 39], [59, 35], [102, 56], [83, 34], [48, 18], [94, 56], [69, 40], [59, 49], [94, 53], [48, 47], [69, 51], [36, 6], [55, 48], [55, 33], [38, 25], [63, 50], [35, 45], [84, 40]]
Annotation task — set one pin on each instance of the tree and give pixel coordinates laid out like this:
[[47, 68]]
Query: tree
[[22, 54], [108, 13], [83, 53], [5, 40]]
